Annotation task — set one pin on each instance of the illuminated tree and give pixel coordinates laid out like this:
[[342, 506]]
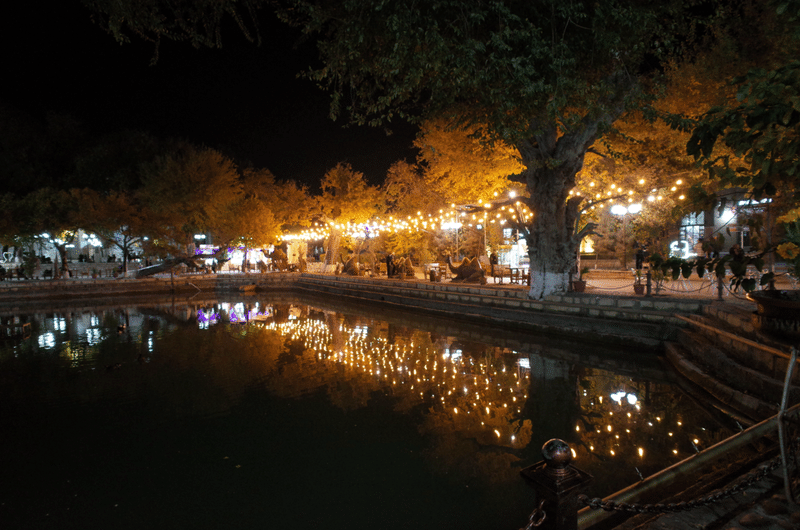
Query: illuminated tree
[[746, 142], [346, 199], [461, 168], [117, 218], [191, 189], [546, 77], [407, 193], [258, 217]]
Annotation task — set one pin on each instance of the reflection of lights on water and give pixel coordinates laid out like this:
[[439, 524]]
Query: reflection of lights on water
[[641, 452], [630, 398], [93, 336], [47, 340], [454, 354], [150, 344]]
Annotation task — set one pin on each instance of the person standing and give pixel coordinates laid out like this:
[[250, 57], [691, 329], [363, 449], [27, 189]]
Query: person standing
[[492, 262], [390, 265], [639, 255]]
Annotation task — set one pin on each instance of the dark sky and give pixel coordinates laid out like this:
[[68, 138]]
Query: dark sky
[[241, 98]]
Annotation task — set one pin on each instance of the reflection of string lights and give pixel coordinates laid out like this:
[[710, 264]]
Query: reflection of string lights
[[630, 398], [475, 395], [444, 380], [479, 396]]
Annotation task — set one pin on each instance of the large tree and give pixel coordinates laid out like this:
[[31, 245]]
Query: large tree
[[461, 168], [546, 76], [347, 200], [192, 190]]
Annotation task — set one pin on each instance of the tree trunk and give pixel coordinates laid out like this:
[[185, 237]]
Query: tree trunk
[[125, 255], [61, 253], [332, 250], [550, 235], [553, 156], [552, 163]]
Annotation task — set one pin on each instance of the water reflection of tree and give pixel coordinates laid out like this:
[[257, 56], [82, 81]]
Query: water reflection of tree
[[641, 426], [479, 419], [472, 399]]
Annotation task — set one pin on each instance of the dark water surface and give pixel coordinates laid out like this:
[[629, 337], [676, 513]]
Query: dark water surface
[[168, 415]]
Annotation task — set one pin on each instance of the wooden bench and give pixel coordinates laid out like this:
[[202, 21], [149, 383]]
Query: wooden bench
[[520, 275], [439, 269]]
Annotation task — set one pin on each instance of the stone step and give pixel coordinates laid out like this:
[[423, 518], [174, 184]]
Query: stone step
[[752, 407], [768, 360], [620, 325], [715, 361]]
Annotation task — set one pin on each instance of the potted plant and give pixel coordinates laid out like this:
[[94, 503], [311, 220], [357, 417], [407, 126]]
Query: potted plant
[[778, 312], [579, 285], [638, 286]]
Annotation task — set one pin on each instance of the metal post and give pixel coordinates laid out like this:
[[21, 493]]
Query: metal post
[[648, 292], [782, 430], [720, 279], [557, 484]]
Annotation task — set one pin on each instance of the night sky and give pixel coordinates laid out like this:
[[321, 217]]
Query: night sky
[[243, 99]]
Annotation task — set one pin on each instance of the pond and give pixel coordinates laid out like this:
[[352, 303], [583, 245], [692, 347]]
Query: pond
[[284, 412]]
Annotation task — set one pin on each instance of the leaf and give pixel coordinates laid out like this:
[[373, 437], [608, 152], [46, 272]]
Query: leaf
[[719, 269], [686, 269], [738, 268], [766, 278], [700, 266]]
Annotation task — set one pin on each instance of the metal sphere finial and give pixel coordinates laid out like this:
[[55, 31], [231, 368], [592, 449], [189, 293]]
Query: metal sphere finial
[[557, 454]]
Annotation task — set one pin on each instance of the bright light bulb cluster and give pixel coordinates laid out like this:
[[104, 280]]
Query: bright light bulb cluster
[[456, 216]]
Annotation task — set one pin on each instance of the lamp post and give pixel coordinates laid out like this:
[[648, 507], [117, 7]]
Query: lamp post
[[623, 211]]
